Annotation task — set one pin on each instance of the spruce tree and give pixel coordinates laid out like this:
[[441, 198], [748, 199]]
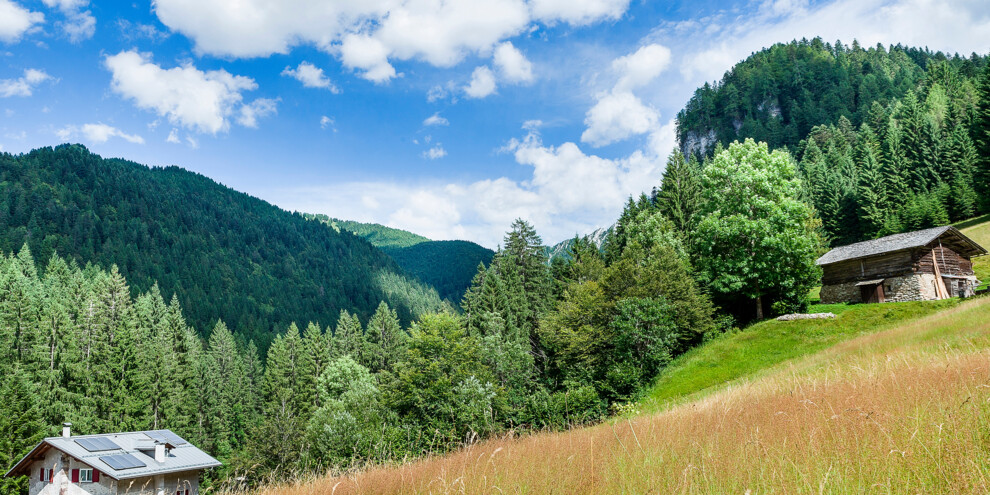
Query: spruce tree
[[349, 339], [981, 138], [386, 340], [21, 426], [680, 193], [872, 187]]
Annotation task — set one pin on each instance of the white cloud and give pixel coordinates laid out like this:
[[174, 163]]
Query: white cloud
[[98, 133], [173, 136], [482, 83], [188, 97], [618, 116], [512, 64], [436, 152], [79, 24], [260, 108], [435, 119], [15, 21], [370, 34], [24, 85], [578, 12], [311, 76], [327, 122], [358, 51], [642, 66], [568, 192]]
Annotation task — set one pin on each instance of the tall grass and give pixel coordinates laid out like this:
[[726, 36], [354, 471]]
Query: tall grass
[[901, 410]]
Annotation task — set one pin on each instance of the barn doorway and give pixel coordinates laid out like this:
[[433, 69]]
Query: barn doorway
[[871, 291]]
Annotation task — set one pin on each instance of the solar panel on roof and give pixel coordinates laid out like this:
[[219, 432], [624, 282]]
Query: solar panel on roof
[[166, 436], [97, 444], [122, 461]]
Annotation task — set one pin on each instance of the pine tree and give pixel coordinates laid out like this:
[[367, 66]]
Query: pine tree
[[349, 339], [280, 439], [895, 170], [872, 187], [21, 426], [680, 193], [225, 382], [981, 138], [317, 347], [386, 340]]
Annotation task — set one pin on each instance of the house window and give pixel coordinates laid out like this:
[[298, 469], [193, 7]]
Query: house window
[[85, 475]]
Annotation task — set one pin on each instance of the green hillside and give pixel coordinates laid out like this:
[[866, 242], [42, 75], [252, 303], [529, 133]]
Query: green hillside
[[447, 266], [777, 95], [224, 253]]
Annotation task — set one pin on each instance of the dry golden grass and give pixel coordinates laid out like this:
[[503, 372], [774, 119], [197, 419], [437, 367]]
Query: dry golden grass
[[903, 410]]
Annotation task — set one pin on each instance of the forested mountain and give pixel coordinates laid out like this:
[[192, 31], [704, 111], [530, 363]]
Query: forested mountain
[[225, 254], [447, 266], [888, 140], [779, 94]]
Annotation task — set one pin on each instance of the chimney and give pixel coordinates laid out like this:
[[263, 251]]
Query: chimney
[[159, 452], [66, 430]]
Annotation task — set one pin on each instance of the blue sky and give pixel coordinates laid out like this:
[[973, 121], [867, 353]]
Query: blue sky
[[448, 118]]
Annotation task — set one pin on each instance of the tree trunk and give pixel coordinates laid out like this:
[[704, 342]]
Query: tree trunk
[[759, 308]]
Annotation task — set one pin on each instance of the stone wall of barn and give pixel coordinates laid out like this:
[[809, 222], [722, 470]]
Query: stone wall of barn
[[914, 287]]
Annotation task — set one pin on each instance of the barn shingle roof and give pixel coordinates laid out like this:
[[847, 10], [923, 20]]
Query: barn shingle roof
[[897, 242]]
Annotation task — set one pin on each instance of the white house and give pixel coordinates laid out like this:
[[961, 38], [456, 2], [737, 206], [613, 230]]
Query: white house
[[142, 462]]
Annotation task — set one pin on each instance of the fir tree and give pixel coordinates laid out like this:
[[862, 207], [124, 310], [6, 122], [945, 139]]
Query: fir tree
[[680, 193], [386, 340], [872, 188]]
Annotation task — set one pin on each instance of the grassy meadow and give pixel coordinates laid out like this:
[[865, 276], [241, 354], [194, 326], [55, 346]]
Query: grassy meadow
[[978, 229], [885, 398]]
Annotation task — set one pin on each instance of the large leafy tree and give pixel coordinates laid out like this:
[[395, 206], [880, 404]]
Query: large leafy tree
[[755, 237]]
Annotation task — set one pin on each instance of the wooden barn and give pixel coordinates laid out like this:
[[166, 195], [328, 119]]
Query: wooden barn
[[915, 266]]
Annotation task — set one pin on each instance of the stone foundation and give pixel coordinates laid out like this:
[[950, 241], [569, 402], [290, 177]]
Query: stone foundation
[[914, 287]]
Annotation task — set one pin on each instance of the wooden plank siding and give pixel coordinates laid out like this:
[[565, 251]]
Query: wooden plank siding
[[949, 262], [898, 263]]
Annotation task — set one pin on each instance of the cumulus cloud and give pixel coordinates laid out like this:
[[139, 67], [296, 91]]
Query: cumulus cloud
[[311, 76], [568, 191], [370, 34], [98, 133], [578, 12], [435, 119], [24, 85], [203, 101], [15, 21], [173, 136], [482, 83], [512, 64], [79, 24], [618, 116], [642, 66]]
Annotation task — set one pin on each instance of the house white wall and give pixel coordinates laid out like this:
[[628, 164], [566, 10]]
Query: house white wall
[[61, 483]]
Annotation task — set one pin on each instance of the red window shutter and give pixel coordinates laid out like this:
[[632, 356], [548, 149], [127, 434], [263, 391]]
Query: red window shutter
[[42, 478], [187, 491], [75, 476], [51, 475], [96, 476]]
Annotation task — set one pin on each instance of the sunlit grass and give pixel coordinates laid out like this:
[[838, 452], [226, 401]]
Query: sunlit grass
[[899, 404], [978, 229], [765, 344]]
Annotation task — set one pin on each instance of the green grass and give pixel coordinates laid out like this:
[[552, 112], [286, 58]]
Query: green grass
[[978, 229], [763, 345]]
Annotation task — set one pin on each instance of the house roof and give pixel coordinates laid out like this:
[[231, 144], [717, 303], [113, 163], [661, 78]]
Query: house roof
[[182, 456], [907, 240]]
